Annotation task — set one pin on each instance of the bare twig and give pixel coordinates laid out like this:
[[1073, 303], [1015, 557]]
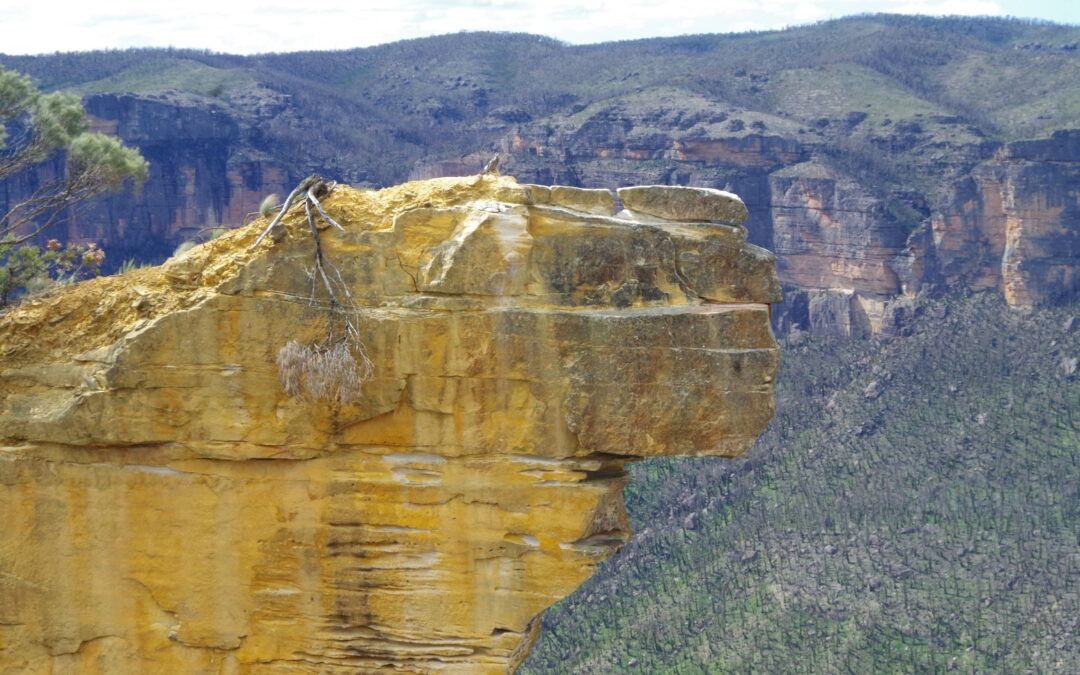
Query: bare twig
[[50, 200], [318, 207], [298, 190]]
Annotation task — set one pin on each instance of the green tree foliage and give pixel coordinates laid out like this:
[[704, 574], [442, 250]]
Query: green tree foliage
[[31, 268], [34, 128]]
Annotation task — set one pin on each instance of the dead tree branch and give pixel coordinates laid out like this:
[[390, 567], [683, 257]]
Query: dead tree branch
[[336, 367]]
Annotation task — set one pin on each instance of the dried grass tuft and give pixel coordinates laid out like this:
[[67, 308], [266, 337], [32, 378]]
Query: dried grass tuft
[[291, 362], [320, 372]]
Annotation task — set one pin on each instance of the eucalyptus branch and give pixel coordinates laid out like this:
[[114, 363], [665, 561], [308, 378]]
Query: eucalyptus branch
[[23, 151], [300, 189], [313, 200], [49, 202]]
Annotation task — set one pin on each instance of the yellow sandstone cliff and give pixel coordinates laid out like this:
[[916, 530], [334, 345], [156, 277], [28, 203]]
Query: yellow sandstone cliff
[[167, 508]]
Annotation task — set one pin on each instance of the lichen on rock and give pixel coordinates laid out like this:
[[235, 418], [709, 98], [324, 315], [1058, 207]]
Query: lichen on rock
[[169, 507]]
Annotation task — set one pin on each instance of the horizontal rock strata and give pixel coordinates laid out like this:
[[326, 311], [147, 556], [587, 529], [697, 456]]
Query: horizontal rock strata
[[169, 508]]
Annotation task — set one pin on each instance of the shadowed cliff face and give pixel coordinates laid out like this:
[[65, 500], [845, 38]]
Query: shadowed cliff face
[[170, 509], [206, 171]]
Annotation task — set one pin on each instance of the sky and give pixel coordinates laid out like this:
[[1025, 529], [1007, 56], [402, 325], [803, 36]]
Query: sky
[[254, 26]]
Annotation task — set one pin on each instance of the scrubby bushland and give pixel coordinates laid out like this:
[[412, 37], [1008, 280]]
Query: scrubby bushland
[[914, 507]]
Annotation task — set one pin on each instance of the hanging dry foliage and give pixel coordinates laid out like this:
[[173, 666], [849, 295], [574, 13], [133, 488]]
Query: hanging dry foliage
[[319, 372]]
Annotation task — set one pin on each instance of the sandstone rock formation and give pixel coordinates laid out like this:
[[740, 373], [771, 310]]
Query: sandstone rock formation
[[1019, 217], [208, 169], [168, 508]]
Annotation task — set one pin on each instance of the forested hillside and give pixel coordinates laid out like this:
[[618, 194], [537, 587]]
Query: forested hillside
[[900, 65], [914, 507]]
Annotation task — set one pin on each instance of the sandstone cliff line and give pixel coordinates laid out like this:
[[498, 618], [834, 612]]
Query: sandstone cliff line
[[1001, 217]]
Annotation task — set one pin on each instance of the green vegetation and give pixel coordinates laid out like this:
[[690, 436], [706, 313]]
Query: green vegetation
[[182, 74], [35, 128], [914, 507], [31, 269]]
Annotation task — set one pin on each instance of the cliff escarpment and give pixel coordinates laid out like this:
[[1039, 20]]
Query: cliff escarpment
[[207, 169], [848, 243], [852, 235], [1022, 211], [170, 508]]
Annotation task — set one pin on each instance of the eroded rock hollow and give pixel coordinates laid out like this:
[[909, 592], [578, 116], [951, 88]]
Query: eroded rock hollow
[[169, 508]]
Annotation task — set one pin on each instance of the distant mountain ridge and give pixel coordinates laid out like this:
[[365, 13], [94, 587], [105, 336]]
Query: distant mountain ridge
[[881, 156]]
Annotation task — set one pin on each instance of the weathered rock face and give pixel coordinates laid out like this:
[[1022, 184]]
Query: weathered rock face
[[169, 509], [836, 245], [1019, 218], [205, 172]]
